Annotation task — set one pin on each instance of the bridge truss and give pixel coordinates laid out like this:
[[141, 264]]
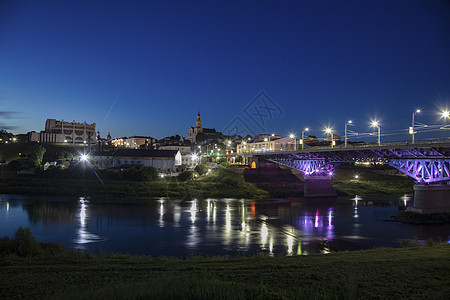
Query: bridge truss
[[427, 163]]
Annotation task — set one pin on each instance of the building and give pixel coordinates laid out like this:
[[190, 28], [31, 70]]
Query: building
[[190, 155], [194, 131], [336, 138], [61, 132], [134, 142], [165, 161], [182, 148], [268, 145]]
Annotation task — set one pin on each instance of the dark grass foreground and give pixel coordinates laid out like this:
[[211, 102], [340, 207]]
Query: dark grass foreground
[[43, 270]]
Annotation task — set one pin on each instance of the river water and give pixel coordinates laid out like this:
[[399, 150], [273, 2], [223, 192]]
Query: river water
[[181, 228]]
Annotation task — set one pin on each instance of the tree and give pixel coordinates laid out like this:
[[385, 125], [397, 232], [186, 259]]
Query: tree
[[202, 169], [148, 174], [37, 154], [185, 176]]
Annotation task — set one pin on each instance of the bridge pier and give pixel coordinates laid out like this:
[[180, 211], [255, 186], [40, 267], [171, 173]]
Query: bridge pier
[[318, 186], [431, 198]]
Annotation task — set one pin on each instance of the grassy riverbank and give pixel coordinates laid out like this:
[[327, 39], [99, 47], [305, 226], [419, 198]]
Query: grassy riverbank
[[221, 183], [49, 271], [371, 181]]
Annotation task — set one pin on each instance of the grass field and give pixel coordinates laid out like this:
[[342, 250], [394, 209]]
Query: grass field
[[372, 181], [406, 273]]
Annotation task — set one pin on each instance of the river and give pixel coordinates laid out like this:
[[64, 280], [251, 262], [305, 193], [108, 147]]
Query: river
[[181, 228]]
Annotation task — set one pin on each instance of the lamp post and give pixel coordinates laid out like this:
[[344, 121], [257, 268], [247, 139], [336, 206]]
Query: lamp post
[[303, 137], [413, 115], [330, 131], [346, 124], [376, 124], [446, 114], [292, 136]]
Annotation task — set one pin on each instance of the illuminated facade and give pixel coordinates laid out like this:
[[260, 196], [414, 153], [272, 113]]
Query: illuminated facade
[[267, 145], [134, 142], [61, 132]]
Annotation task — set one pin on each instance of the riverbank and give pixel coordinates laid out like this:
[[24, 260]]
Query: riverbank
[[221, 183], [50, 271], [371, 181]]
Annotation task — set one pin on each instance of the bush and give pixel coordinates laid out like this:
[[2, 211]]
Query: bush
[[142, 174], [202, 169], [15, 164], [186, 175], [24, 244]]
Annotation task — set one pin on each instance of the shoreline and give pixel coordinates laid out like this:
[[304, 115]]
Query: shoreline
[[48, 270]]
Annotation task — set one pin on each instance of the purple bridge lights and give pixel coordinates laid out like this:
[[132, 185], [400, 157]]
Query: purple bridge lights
[[424, 170], [427, 163], [311, 167]]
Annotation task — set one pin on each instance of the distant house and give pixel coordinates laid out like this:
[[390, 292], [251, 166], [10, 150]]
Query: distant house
[[165, 161]]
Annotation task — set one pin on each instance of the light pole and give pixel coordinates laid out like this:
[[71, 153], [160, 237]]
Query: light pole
[[413, 115], [346, 124], [292, 136], [303, 137], [330, 131], [376, 124]]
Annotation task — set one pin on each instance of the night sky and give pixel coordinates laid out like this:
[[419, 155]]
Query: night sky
[[148, 67]]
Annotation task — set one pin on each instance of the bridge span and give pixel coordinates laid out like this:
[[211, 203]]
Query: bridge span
[[428, 163]]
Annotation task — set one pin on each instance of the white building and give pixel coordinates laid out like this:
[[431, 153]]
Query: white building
[[268, 145], [190, 158], [165, 161], [61, 132]]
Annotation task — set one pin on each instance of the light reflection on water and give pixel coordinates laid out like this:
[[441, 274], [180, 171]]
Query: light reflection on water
[[214, 226], [83, 235]]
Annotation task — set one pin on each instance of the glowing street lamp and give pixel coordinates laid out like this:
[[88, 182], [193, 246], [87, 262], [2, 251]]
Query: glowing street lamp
[[412, 131], [330, 131], [446, 114], [292, 136], [303, 137], [84, 157], [346, 124], [376, 124]]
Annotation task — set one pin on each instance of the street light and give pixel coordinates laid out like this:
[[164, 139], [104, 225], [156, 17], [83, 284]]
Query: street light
[[446, 114], [330, 131], [346, 124], [292, 136], [413, 115], [303, 137], [376, 124]]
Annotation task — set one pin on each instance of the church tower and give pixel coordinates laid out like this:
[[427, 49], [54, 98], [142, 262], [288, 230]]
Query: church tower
[[198, 122]]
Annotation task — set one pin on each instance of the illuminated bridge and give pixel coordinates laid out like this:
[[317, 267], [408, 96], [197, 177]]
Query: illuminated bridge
[[428, 163]]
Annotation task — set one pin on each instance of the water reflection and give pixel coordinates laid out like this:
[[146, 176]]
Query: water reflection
[[173, 227], [405, 199], [83, 235]]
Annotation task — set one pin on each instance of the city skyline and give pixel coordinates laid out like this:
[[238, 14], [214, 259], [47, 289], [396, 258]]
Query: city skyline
[[148, 68]]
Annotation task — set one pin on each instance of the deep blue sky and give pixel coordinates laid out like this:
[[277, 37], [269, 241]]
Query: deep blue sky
[[148, 67]]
